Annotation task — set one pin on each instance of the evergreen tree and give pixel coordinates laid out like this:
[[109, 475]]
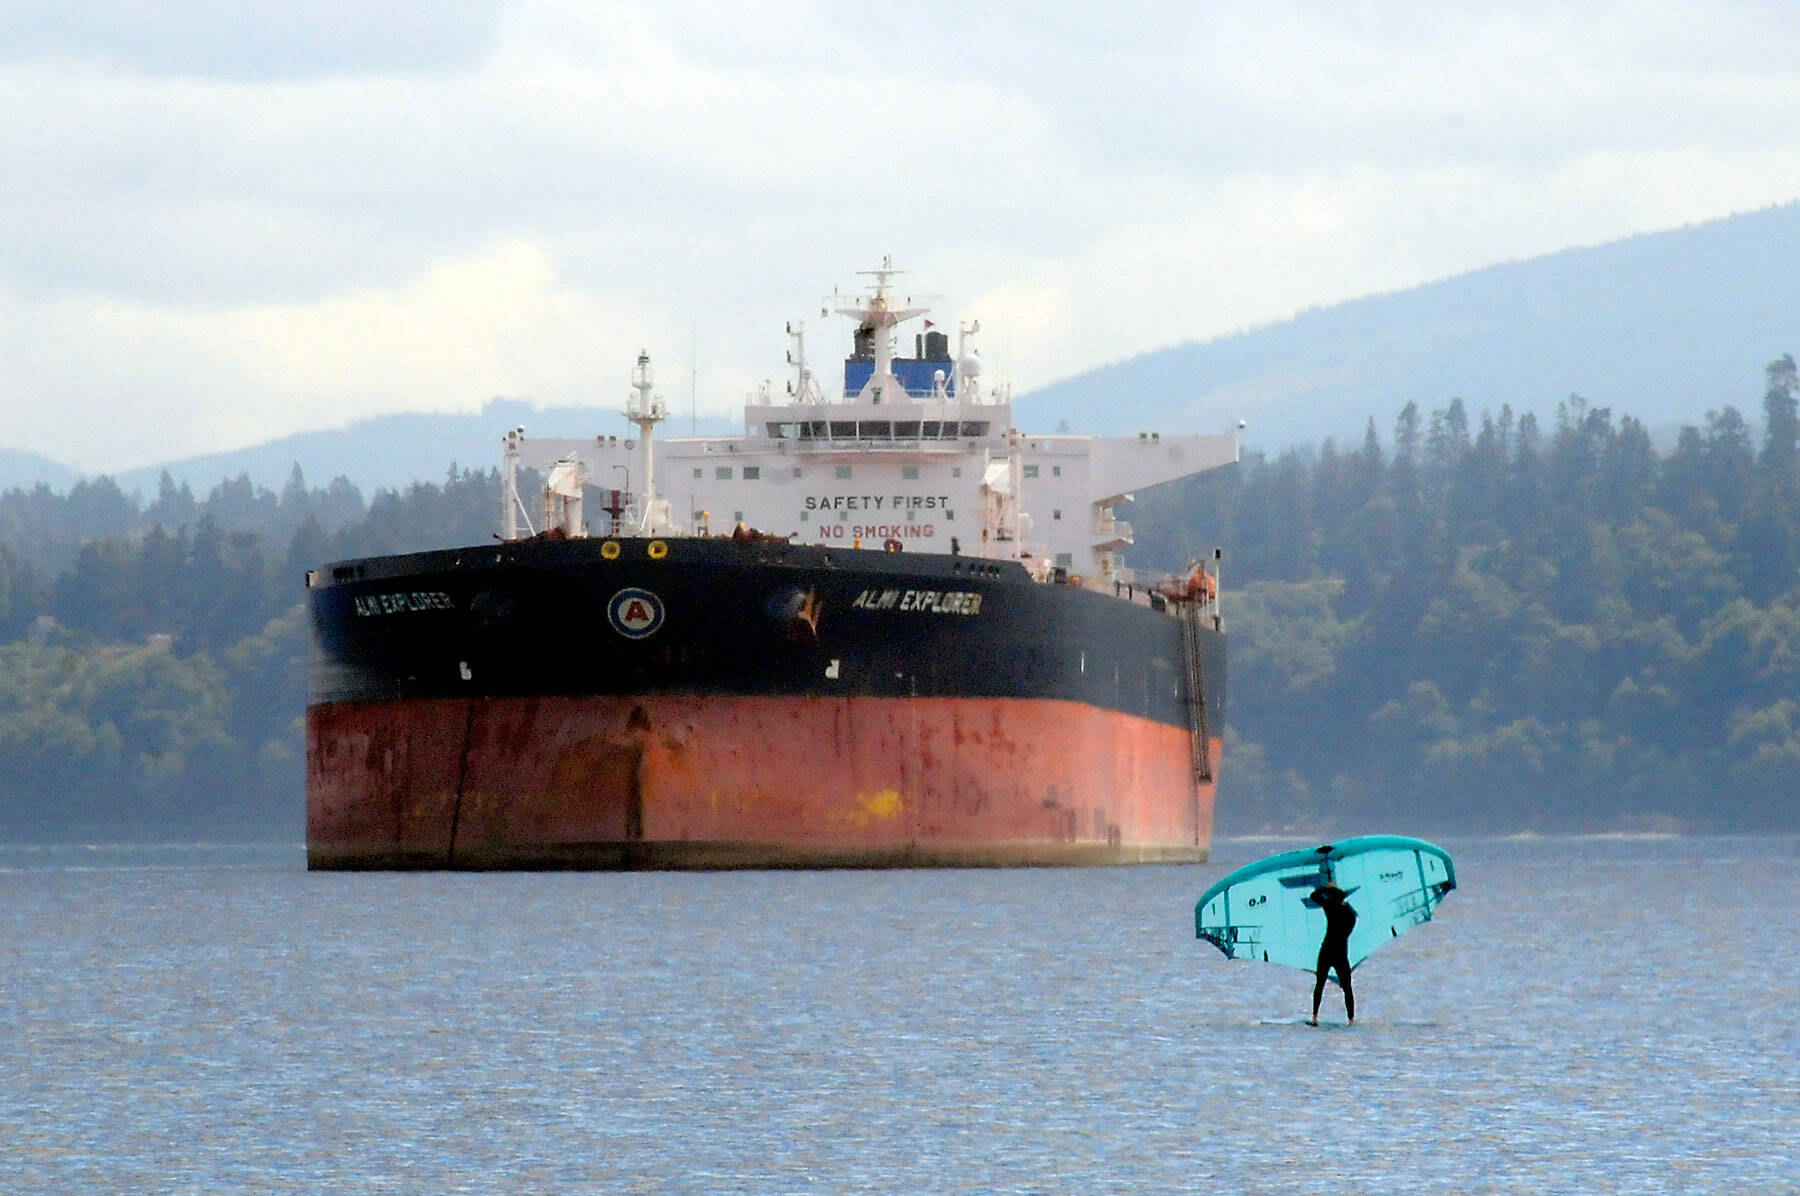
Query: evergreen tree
[[1780, 460], [174, 506], [1406, 433], [1729, 461]]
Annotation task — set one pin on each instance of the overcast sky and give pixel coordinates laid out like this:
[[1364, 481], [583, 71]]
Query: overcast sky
[[220, 222]]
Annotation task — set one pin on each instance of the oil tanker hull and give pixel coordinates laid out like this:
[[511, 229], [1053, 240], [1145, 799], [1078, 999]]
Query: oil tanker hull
[[702, 781], [704, 704]]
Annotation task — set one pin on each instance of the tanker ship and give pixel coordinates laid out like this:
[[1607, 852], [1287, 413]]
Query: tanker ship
[[883, 628]]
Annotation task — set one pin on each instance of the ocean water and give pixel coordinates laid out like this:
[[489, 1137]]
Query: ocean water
[[1586, 1015]]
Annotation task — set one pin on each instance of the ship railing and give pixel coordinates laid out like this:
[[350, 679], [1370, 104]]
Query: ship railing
[[1143, 579], [1110, 532], [1129, 585], [1170, 592]]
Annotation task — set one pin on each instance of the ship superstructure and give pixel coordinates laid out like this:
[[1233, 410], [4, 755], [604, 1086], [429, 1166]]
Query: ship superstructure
[[913, 455]]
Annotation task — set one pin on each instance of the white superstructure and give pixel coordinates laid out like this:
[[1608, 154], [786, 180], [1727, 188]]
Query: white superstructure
[[914, 455]]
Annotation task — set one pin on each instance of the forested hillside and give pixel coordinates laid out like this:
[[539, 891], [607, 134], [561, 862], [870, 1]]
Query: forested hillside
[[153, 670], [1475, 624], [1484, 624]]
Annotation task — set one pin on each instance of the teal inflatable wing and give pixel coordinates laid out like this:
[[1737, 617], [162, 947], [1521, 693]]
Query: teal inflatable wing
[[1266, 911]]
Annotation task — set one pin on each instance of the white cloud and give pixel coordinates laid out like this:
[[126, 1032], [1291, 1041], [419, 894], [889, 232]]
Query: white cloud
[[194, 254], [229, 39], [498, 323]]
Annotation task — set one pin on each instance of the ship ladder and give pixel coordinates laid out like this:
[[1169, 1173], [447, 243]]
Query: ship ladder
[[1196, 694]]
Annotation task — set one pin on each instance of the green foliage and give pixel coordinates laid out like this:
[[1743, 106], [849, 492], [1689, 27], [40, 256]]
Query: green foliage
[[107, 742], [154, 688], [1491, 629]]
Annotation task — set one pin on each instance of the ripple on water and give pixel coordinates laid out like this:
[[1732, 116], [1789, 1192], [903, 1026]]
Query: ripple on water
[[1585, 1015]]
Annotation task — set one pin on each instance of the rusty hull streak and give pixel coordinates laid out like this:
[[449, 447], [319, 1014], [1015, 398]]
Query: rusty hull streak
[[691, 782]]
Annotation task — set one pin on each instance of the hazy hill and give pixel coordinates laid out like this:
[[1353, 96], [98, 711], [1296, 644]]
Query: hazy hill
[[393, 450], [24, 470], [1666, 326]]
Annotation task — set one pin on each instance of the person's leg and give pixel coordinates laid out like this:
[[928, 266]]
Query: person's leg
[[1319, 987], [1343, 971]]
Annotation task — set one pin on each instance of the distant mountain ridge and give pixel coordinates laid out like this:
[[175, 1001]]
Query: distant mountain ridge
[[1663, 326], [24, 470], [386, 450]]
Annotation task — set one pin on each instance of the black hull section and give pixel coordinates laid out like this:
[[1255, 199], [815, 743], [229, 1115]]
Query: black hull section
[[633, 616]]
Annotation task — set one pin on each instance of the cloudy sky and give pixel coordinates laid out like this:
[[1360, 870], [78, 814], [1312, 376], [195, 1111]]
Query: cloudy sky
[[222, 222]]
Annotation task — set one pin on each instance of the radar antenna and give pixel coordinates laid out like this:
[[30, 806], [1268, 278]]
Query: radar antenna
[[877, 313]]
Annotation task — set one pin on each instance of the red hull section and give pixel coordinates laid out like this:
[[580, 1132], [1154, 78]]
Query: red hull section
[[719, 782]]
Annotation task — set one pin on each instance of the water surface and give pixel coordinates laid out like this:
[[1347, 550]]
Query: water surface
[[1585, 1014]]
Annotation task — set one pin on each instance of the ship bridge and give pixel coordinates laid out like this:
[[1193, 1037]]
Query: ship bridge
[[914, 453]]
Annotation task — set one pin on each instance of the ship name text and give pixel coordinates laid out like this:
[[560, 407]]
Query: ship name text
[[934, 602], [400, 604]]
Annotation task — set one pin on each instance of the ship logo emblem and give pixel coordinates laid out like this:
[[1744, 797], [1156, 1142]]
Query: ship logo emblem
[[635, 613]]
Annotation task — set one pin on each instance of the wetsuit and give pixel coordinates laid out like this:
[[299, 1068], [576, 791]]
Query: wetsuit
[[1334, 952]]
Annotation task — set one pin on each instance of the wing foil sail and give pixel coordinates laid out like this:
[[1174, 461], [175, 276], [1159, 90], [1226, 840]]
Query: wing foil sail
[[1265, 910]]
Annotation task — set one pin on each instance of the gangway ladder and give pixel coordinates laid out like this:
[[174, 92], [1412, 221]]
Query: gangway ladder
[[1191, 651]]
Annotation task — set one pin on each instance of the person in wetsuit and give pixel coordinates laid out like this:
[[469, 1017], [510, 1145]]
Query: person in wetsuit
[[1334, 951]]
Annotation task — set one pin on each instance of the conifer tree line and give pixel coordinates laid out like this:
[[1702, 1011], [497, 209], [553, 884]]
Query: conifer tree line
[[1496, 625], [153, 655], [1477, 625]]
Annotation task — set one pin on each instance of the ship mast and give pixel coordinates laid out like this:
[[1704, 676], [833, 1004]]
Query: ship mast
[[646, 410], [804, 388], [877, 314]]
